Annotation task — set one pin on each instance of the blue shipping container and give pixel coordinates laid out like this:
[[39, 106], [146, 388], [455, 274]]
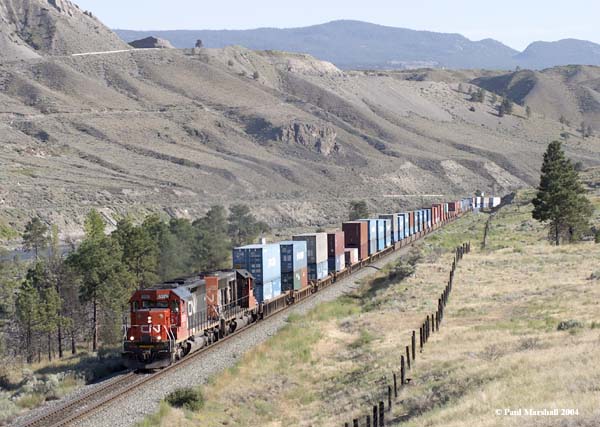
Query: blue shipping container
[[263, 261], [293, 255], [380, 234], [318, 271], [400, 226], [337, 263], [387, 232], [393, 218]]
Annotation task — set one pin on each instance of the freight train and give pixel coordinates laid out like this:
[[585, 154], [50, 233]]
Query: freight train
[[173, 319]]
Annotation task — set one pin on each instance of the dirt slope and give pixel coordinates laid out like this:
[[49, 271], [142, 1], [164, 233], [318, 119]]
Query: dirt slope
[[572, 91], [29, 28], [294, 136]]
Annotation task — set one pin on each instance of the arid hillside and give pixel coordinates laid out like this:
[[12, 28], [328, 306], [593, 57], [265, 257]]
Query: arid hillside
[[30, 28], [295, 137], [571, 92]]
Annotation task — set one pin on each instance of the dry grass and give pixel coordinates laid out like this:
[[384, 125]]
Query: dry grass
[[499, 346]]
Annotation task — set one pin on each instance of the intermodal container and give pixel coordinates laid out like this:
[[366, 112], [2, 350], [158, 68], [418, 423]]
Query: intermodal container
[[293, 256], [351, 256], [336, 263], [411, 222], [372, 233], [335, 244], [317, 271], [295, 280], [400, 226], [356, 235], [381, 238], [264, 263], [394, 225], [387, 231], [428, 214], [316, 246]]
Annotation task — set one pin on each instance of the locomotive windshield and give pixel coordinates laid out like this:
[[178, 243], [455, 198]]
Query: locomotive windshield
[[151, 304]]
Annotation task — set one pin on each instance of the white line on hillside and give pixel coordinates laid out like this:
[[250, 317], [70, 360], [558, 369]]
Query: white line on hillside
[[108, 52]]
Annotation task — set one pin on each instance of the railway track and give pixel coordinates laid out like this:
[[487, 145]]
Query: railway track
[[118, 388]]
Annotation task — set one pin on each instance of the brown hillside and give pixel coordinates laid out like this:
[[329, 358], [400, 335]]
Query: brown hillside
[[51, 27], [571, 91]]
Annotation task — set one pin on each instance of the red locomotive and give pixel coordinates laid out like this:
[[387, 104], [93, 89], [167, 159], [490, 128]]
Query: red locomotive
[[175, 318]]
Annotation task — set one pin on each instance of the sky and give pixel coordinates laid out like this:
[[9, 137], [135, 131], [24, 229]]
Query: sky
[[513, 22]]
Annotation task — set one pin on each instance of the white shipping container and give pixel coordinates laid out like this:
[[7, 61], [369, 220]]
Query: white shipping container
[[353, 255], [316, 246]]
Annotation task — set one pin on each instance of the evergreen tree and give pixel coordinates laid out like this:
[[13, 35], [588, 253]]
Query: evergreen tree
[[528, 111], [243, 227], [506, 107], [94, 225], [560, 201], [140, 252], [35, 237], [358, 210], [105, 282], [27, 315], [212, 246]]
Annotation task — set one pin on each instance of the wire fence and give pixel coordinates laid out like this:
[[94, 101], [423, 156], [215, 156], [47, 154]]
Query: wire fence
[[376, 414]]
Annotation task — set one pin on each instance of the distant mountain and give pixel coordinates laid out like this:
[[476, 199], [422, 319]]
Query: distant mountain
[[563, 52], [30, 28], [354, 45], [360, 45]]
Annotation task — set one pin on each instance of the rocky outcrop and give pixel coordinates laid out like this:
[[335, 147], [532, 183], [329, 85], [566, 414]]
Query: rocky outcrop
[[321, 138], [151, 43], [29, 28]]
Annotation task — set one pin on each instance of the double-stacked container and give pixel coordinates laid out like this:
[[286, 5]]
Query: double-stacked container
[[294, 265], [393, 218], [372, 233], [428, 216], [381, 234], [356, 235], [264, 263], [316, 249], [387, 231], [400, 226], [336, 257], [411, 222]]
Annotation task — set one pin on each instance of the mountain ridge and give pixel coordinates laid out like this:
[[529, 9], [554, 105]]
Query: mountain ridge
[[352, 44]]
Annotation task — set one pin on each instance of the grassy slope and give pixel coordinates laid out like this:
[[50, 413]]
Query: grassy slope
[[499, 346]]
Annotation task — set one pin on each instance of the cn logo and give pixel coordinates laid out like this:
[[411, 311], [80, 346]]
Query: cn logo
[[146, 329]]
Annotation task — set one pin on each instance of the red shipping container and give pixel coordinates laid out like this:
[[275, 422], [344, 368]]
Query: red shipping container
[[356, 235], [411, 220], [335, 244]]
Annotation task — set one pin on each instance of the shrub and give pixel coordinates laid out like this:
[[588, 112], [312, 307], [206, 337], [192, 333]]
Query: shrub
[[186, 398], [569, 324], [597, 236]]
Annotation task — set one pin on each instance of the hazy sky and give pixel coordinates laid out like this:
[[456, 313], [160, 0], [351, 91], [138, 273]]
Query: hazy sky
[[513, 22]]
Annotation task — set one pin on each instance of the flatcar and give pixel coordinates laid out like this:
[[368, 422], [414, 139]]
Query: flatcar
[[173, 319]]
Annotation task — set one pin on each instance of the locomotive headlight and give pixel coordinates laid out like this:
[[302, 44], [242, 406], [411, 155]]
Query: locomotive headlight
[[131, 338], [149, 319], [157, 338]]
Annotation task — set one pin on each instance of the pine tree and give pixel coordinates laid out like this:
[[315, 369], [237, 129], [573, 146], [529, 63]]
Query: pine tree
[[560, 201], [35, 237], [94, 225], [27, 315], [243, 227], [140, 252], [212, 246]]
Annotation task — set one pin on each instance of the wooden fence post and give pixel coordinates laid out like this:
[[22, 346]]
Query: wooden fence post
[[414, 346], [407, 357], [389, 397], [355, 423], [381, 414], [432, 323], [375, 418], [421, 339], [396, 383], [402, 372], [368, 421]]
